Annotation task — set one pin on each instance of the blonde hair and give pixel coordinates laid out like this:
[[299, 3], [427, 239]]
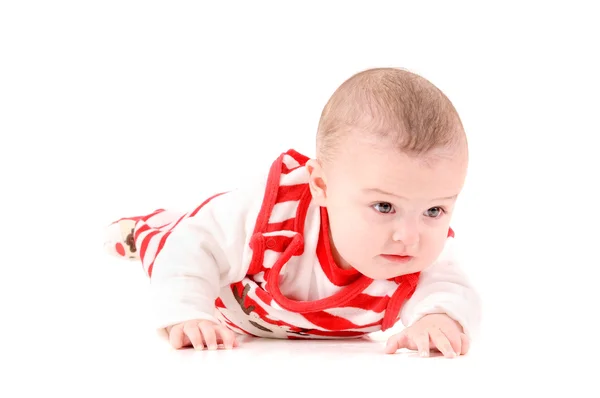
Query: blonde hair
[[389, 103]]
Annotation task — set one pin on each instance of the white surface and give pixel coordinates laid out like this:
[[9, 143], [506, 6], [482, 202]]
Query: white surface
[[166, 87]]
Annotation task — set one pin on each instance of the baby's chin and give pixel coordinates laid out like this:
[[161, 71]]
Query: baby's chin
[[377, 273], [388, 271]]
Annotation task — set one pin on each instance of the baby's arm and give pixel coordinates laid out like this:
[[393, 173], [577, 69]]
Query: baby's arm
[[443, 313], [445, 289], [201, 255]]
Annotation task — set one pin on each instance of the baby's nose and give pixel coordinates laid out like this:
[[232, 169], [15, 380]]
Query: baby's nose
[[407, 233]]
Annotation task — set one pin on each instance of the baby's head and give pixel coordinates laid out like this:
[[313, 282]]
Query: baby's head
[[391, 159]]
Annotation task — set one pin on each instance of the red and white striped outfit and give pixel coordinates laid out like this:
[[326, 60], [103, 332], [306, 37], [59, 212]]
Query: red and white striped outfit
[[258, 260]]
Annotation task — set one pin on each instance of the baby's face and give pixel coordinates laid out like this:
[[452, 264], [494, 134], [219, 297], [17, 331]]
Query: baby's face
[[383, 205]]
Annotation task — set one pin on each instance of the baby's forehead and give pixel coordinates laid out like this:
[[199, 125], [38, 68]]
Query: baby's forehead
[[364, 167], [443, 189]]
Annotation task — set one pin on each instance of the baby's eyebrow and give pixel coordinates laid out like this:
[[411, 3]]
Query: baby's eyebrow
[[447, 198], [381, 191]]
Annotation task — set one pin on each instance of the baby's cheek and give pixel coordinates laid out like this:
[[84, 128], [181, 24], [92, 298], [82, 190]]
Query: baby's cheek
[[354, 243], [371, 242], [433, 246]]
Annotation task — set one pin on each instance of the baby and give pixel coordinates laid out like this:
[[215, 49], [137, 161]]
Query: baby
[[338, 246]]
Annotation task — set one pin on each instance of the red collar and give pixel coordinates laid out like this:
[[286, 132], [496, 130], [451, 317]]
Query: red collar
[[336, 275]]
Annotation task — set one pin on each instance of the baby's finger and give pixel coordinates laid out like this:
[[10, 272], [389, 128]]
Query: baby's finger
[[227, 337], [396, 342], [193, 333], [465, 344], [186, 340], [210, 337], [421, 340], [176, 336], [442, 343], [455, 341]]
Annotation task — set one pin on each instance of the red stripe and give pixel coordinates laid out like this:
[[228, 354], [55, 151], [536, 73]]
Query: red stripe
[[145, 244], [337, 333], [369, 303], [330, 322], [155, 212], [177, 222], [204, 203], [264, 296], [289, 193], [298, 157], [139, 231], [287, 225], [127, 218], [137, 218], [233, 325], [303, 209], [161, 244]]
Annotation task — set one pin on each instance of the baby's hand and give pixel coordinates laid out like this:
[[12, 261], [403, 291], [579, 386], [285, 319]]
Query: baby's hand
[[436, 330], [200, 333]]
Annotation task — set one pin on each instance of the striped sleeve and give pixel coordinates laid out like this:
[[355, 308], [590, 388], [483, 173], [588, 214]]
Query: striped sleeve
[[205, 252]]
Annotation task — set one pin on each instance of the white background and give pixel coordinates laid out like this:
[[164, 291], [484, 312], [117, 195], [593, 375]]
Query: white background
[[116, 108]]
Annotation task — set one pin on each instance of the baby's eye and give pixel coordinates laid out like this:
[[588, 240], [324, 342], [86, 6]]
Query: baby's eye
[[434, 212], [383, 207]]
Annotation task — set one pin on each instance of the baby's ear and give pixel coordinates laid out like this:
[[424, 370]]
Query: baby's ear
[[316, 181]]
